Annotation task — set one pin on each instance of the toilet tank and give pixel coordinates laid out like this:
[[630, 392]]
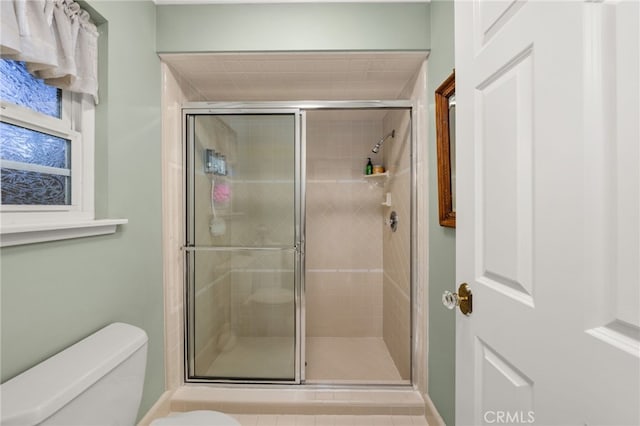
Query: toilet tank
[[97, 381]]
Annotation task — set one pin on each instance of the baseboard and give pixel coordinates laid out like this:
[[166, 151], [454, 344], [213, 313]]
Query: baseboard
[[159, 409], [431, 412]]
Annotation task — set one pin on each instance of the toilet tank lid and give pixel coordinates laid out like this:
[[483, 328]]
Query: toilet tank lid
[[36, 394]]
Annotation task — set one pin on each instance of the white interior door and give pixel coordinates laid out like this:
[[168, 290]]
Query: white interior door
[[548, 217]]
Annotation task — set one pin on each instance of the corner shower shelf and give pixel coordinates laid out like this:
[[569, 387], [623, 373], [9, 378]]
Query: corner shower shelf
[[378, 179], [378, 175]]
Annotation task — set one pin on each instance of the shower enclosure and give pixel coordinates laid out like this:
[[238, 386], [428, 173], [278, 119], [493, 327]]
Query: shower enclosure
[[259, 278]]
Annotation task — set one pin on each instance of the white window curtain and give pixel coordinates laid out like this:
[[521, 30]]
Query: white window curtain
[[55, 38]]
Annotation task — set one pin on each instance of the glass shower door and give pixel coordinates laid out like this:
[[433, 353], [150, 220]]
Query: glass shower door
[[242, 246]]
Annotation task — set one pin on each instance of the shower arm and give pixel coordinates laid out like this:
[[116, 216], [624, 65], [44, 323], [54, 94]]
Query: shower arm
[[379, 144]]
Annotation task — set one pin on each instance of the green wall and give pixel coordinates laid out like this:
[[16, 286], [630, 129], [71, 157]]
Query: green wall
[[293, 27], [54, 294], [442, 241]]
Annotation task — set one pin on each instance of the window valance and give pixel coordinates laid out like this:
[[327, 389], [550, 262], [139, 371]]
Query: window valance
[[55, 38]]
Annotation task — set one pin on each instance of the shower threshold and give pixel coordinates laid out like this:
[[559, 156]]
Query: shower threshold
[[293, 399]]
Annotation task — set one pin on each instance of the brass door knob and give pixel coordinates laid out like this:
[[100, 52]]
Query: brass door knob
[[463, 299]]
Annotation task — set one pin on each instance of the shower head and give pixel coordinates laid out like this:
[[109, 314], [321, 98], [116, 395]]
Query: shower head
[[379, 144]]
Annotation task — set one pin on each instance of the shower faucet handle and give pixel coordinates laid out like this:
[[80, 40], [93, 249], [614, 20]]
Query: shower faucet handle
[[393, 221]]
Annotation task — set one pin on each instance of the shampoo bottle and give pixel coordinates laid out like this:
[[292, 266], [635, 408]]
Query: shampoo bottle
[[369, 168]]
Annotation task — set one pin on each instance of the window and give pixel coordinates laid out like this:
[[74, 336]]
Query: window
[[40, 148], [46, 157], [36, 167], [21, 88]]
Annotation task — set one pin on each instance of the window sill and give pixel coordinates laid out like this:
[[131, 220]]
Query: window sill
[[28, 234]]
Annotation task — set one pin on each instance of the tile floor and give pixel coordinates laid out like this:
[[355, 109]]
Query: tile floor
[[349, 359], [323, 420]]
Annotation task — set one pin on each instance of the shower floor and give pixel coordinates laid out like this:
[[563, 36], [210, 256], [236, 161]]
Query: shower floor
[[335, 360], [256, 357], [350, 360]]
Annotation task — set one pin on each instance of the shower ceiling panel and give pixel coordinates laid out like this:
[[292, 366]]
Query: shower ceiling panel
[[298, 76]]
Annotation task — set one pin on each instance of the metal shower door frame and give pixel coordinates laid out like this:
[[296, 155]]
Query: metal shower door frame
[[189, 111], [299, 108]]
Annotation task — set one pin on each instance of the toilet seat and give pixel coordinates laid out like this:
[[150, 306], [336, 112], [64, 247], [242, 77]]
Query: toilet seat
[[196, 418]]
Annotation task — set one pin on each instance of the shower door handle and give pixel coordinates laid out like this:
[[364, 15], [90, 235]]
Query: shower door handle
[[239, 248]]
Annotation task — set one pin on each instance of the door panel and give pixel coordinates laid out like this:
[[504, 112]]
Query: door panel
[[612, 227], [243, 246], [255, 198], [243, 314], [548, 218], [504, 138], [613, 157], [504, 389]]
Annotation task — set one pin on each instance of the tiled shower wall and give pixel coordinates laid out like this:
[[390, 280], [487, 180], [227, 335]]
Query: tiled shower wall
[[397, 245], [343, 229]]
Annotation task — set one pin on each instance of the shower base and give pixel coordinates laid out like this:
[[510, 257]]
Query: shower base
[[330, 360], [350, 360], [255, 357]]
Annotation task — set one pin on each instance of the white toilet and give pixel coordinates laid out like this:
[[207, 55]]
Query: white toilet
[[97, 381]]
